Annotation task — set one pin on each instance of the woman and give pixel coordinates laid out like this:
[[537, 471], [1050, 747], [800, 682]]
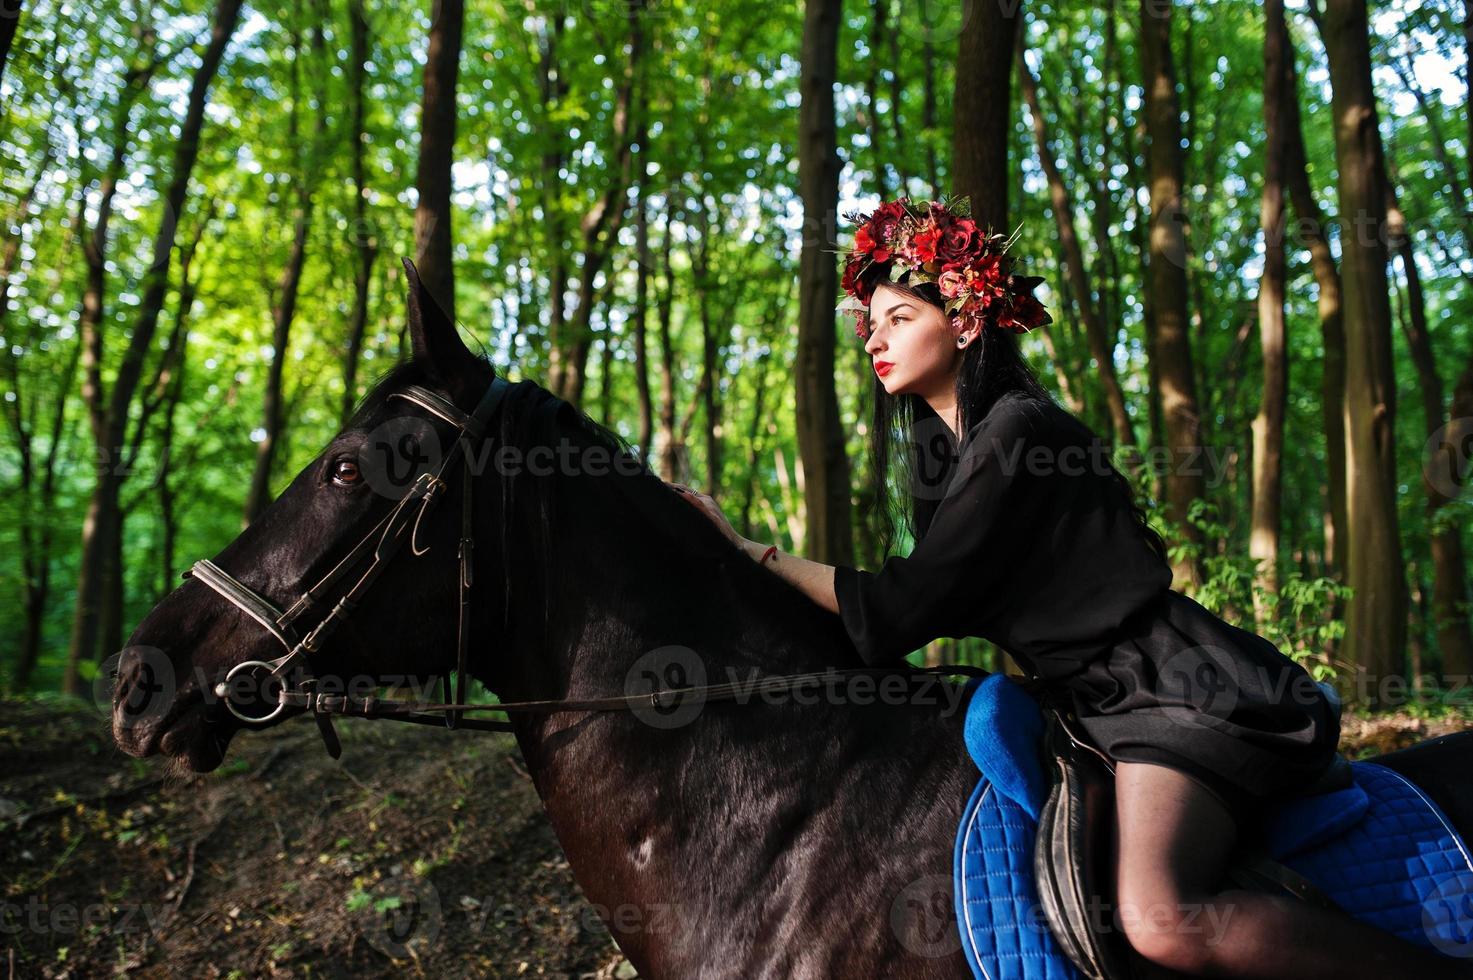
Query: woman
[[1028, 536]]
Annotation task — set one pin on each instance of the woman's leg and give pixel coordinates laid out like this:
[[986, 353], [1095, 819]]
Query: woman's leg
[[1174, 839]]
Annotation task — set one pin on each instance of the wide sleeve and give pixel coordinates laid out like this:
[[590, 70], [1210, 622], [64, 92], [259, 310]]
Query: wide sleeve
[[963, 576]]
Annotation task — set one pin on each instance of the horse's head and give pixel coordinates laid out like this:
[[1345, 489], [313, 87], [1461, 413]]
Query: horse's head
[[369, 504]]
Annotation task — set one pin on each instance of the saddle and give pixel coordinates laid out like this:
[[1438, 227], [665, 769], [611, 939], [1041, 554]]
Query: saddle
[[1074, 860], [1037, 835]]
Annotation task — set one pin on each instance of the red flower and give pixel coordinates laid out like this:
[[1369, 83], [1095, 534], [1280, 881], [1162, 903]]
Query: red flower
[[925, 243], [1028, 313], [886, 218], [958, 240], [987, 279], [861, 277], [941, 243]]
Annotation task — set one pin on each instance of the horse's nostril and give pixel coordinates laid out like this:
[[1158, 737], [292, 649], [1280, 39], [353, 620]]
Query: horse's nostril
[[144, 687]]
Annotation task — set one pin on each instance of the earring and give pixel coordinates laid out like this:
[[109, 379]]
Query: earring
[[961, 341]]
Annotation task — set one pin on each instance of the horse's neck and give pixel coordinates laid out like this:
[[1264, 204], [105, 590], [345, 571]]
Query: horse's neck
[[626, 574], [679, 825]]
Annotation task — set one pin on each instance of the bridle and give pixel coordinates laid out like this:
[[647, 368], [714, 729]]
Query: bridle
[[377, 548]]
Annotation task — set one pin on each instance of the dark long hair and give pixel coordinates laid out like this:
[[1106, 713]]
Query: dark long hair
[[991, 368]]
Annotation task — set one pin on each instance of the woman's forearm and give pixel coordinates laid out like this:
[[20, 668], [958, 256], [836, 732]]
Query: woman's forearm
[[813, 578]]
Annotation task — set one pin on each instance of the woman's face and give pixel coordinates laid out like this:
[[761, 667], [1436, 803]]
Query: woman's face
[[916, 339]]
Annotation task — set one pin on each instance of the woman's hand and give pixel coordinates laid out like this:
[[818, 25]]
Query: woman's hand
[[711, 509]]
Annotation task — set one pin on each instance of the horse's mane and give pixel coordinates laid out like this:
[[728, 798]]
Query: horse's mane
[[521, 412], [671, 530]]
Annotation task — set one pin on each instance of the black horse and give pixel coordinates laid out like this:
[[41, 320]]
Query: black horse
[[776, 838]]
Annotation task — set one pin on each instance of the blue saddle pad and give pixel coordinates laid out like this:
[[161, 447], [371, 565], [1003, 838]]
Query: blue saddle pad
[[1381, 849], [1004, 934]]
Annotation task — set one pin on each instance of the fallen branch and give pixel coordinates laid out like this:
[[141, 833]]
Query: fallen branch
[[188, 881]]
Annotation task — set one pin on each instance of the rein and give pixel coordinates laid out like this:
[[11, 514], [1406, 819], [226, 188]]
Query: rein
[[381, 544]]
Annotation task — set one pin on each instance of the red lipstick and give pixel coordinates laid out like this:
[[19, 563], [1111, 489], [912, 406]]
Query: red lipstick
[[882, 368]]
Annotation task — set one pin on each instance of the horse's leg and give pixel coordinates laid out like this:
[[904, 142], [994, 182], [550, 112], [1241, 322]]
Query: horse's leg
[[1174, 841]]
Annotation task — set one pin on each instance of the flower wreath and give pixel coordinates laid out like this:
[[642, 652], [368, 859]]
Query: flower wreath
[[937, 242]]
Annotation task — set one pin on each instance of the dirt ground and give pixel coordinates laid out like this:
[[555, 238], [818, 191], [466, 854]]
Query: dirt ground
[[421, 853]]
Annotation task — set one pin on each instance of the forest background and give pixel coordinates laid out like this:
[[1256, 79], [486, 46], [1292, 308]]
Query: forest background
[[1253, 219]]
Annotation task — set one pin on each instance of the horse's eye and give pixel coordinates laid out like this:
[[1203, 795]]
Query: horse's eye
[[345, 472]]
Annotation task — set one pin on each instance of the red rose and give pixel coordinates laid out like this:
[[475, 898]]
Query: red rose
[[884, 223], [891, 210], [958, 240]]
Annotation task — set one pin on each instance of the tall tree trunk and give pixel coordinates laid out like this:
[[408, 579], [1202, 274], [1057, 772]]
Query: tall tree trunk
[[673, 457], [704, 286], [1133, 136], [1166, 277], [982, 107], [1101, 342], [37, 490], [167, 496], [1375, 640], [605, 378], [1311, 225], [1112, 119], [110, 624], [876, 126], [928, 105], [288, 288], [433, 244], [552, 86], [1104, 278], [365, 242], [600, 226], [644, 260], [820, 434], [104, 515], [1268, 426], [103, 511], [897, 101], [1448, 605], [754, 450], [272, 417], [1459, 437], [761, 420]]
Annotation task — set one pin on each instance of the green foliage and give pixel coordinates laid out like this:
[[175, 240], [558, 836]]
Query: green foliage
[[1299, 618], [719, 90]]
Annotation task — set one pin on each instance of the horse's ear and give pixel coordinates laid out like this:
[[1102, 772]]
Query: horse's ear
[[435, 341]]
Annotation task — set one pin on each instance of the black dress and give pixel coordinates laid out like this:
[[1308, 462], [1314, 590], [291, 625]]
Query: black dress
[[1035, 548]]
